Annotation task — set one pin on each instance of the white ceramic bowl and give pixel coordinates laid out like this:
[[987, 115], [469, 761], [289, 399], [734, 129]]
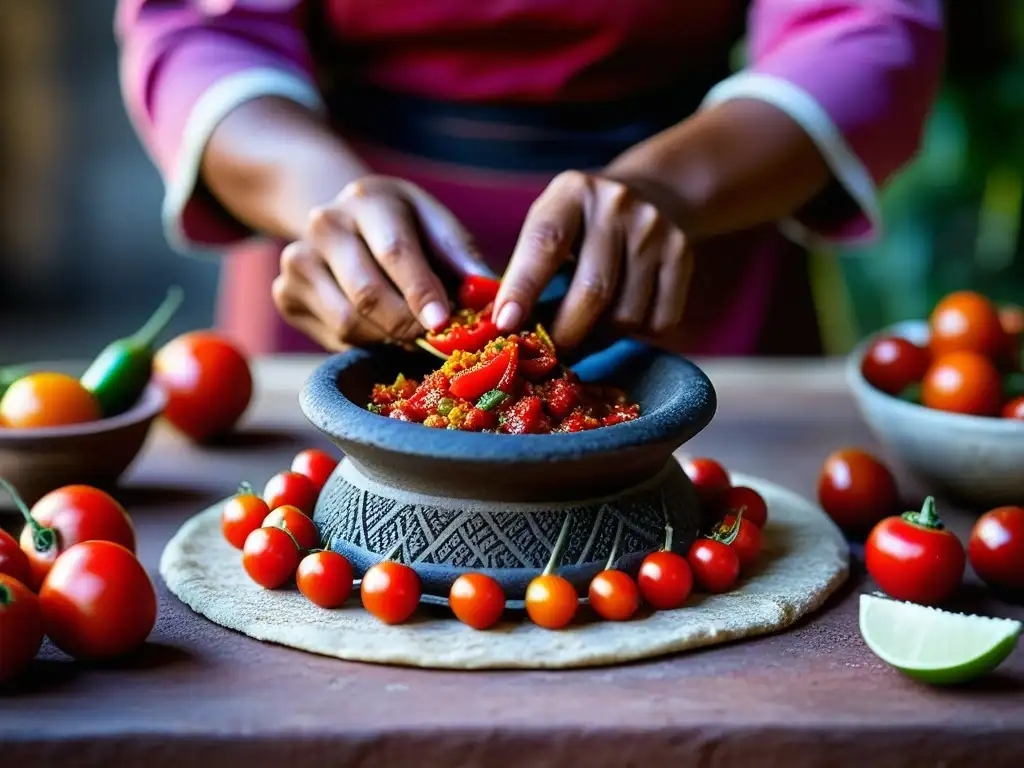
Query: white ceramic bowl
[[976, 461]]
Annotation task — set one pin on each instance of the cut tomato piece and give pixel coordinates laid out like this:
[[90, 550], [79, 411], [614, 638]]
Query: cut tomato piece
[[477, 291], [472, 383]]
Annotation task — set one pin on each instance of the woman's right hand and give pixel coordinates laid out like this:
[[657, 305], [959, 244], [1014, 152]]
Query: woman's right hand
[[360, 273]]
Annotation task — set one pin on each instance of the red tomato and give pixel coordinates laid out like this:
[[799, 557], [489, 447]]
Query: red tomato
[[914, 558], [477, 600], [21, 627], [856, 490], [739, 497], [963, 382], [715, 565], [208, 383], [551, 601], [477, 291], [291, 519], [966, 321], [67, 516], [242, 514], [325, 578], [996, 547], [1014, 409], [270, 557], [315, 464], [13, 561], [892, 364], [747, 543], [665, 580], [293, 489], [710, 479], [614, 595], [98, 601], [391, 591]]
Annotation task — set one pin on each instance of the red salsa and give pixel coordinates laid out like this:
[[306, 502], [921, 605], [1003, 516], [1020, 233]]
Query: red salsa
[[512, 385]]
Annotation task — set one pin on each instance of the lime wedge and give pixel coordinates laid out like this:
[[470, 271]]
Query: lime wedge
[[932, 645]]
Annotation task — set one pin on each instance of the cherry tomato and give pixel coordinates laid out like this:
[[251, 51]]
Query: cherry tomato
[[477, 291], [710, 479], [98, 601], [270, 557], [208, 383], [963, 382], [293, 489], [21, 626], [856, 490], [665, 580], [747, 543], [66, 516], [966, 321], [748, 500], [325, 578], [47, 400], [892, 364], [914, 558], [477, 600], [315, 464], [1014, 409], [996, 547], [614, 595], [242, 514], [551, 601], [13, 561], [291, 519], [391, 591], [715, 565]]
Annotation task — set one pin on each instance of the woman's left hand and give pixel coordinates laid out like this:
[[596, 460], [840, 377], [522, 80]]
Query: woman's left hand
[[634, 264]]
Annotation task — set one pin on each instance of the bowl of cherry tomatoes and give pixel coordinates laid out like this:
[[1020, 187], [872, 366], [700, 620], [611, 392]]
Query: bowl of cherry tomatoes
[[42, 451], [946, 397]]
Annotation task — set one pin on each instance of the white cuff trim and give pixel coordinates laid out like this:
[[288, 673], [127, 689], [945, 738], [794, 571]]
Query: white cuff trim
[[805, 110], [216, 102]]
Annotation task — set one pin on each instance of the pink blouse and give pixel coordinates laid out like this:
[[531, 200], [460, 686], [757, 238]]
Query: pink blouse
[[858, 75]]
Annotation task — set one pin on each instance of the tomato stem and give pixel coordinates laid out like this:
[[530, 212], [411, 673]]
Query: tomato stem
[[727, 534], [245, 489], [394, 551], [613, 555], [559, 549], [43, 539], [927, 517], [6, 595]]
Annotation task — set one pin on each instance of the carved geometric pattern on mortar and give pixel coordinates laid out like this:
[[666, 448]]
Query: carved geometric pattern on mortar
[[499, 538]]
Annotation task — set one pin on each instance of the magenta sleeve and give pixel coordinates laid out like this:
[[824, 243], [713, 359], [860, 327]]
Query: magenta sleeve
[[184, 66]]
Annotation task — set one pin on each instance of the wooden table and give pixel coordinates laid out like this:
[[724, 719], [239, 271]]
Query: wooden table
[[200, 695]]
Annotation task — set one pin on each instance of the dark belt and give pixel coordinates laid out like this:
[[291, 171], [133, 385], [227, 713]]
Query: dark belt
[[528, 138]]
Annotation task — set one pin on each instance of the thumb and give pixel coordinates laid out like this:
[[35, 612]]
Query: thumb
[[448, 238]]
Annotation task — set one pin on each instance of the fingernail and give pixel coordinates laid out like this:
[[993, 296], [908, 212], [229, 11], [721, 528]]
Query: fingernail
[[433, 315], [510, 317]]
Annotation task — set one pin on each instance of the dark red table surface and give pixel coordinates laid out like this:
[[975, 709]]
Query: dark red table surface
[[199, 695]]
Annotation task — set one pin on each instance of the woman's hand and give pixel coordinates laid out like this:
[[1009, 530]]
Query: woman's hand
[[360, 273], [634, 264]]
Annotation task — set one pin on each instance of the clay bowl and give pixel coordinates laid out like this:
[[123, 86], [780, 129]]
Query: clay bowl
[[456, 502], [972, 460], [36, 461]]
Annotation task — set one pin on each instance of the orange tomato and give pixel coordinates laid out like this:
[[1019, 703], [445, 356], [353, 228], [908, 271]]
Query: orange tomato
[[208, 383], [47, 400], [551, 601], [965, 321], [963, 382]]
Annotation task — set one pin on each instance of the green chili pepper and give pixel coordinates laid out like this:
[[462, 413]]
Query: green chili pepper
[[489, 400], [10, 375], [445, 405], [119, 374]]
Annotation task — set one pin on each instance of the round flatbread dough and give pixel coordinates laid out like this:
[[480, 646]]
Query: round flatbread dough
[[803, 560]]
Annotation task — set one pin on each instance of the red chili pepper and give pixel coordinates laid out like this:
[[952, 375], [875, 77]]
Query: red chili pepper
[[476, 292], [483, 377], [465, 337], [508, 378]]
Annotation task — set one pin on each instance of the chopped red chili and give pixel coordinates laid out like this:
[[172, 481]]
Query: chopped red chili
[[469, 331]]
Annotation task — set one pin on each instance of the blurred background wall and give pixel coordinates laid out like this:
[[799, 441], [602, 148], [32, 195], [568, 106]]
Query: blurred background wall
[[82, 255]]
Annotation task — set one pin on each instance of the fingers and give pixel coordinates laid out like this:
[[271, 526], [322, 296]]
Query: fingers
[[448, 238], [674, 275], [545, 242], [593, 286]]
